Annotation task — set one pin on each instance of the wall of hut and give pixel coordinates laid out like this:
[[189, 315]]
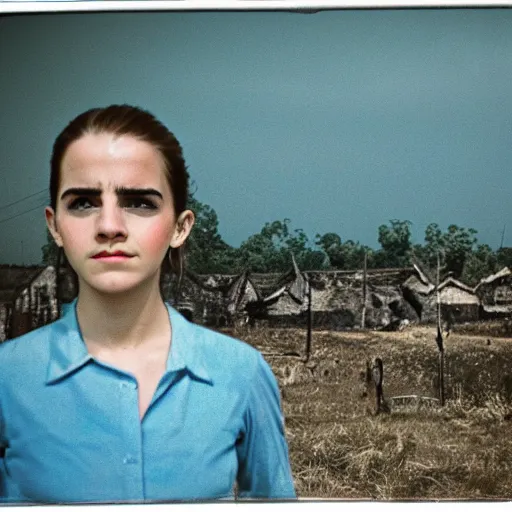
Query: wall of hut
[[338, 298], [457, 305], [203, 299], [34, 306], [495, 294], [5, 321], [285, 311]]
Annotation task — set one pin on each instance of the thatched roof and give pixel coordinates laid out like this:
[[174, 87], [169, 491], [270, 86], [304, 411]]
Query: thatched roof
[[272, 286], [504, 272], [416, 285], [422, 275], [457, 284], [267, 284], [274, 296], [212, 282], [237, 288], [297, 289]]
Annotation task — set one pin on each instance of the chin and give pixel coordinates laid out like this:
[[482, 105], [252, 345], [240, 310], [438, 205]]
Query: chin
[[120, 284]]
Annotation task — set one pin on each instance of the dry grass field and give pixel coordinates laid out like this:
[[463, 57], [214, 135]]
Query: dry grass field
[[339, 448]]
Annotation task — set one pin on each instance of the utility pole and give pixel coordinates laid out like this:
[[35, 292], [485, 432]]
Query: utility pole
[[502, 236], [310, 322], [439, 338]]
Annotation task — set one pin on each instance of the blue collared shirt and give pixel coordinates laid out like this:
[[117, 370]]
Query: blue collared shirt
[[70, 429]]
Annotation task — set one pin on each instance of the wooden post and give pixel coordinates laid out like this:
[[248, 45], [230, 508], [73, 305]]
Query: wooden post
[[439, 338], [8, 320], [441, 377], [377, 371], [37, 308], [30, 315], [310, 323], [363, 314]]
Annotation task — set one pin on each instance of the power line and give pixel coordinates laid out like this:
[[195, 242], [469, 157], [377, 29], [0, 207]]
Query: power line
[[23, 199], [22, 213]]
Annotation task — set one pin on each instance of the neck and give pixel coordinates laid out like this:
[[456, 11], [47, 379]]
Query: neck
[[122, 320]]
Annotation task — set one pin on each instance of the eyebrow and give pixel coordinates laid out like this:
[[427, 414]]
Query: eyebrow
[[120, 191]]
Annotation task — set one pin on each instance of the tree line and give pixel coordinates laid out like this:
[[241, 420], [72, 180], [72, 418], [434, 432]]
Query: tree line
[[270, 250]]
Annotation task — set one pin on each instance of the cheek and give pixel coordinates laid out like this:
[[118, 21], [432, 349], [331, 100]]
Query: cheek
[[73, 234], [157, 238]]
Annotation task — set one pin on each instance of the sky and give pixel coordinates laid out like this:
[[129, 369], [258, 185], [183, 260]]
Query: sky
[[339, 120]]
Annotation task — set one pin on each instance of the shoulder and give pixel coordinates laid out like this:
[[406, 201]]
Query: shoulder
[[224, 357], [28, 349], [238, 366], [226, 351]]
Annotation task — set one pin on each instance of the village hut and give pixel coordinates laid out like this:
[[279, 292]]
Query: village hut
[[27, 299], [282, 298], [495, 294], [338, 298], [459, 303], [417, 288], [201, 298], [386, 306], [241, 293]]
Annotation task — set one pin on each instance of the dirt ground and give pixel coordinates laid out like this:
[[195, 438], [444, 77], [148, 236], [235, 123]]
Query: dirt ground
[[339, 447]]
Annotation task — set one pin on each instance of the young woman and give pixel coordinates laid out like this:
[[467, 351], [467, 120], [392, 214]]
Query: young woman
[[122, 399]]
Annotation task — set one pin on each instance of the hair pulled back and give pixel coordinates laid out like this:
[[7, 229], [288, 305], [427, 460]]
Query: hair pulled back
[[121, 120], [125, 120]]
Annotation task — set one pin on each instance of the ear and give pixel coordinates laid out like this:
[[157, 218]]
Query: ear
[[52, 225], [182, 229]]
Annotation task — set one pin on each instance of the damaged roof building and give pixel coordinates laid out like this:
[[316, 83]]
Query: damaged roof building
[[338, 300]]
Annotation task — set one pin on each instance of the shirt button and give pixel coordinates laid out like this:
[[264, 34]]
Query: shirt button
[[128, 385], [130, 459]]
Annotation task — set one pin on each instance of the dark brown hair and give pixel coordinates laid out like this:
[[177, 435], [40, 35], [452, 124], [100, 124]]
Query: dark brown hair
[[121, 120]]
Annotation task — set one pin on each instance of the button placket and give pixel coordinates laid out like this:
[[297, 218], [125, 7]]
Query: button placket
[[132, 442]]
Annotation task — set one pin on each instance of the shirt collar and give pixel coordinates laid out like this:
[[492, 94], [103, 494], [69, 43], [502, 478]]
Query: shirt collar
[[68, 351], [186, 347]]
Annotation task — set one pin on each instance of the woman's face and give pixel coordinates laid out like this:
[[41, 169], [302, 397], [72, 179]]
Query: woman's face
[[115, 216]]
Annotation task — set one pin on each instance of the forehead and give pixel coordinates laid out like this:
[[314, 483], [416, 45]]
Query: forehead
[[108, 161]]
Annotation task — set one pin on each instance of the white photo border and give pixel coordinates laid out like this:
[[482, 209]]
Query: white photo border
[[31, 6], [302, 504]]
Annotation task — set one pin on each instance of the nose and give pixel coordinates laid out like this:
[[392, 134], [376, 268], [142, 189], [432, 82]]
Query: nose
[[111, 223]]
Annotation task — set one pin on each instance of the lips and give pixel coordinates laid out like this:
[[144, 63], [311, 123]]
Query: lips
[[115, 254]]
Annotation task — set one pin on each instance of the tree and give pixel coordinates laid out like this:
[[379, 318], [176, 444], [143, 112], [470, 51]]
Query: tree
[[206, 251], [49, 250], [434, 244], [271, 249], [330, 243], [261, 251], [459, 243], [478, 264], [455, 247], [305, 257], [258, 254], [504, 257], [395, 241], [347, 255]]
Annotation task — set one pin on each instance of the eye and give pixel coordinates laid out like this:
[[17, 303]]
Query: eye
[[80, 204], [139, 203]]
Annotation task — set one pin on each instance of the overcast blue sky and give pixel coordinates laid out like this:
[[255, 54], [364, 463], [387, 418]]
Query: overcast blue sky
[[339, 120]]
